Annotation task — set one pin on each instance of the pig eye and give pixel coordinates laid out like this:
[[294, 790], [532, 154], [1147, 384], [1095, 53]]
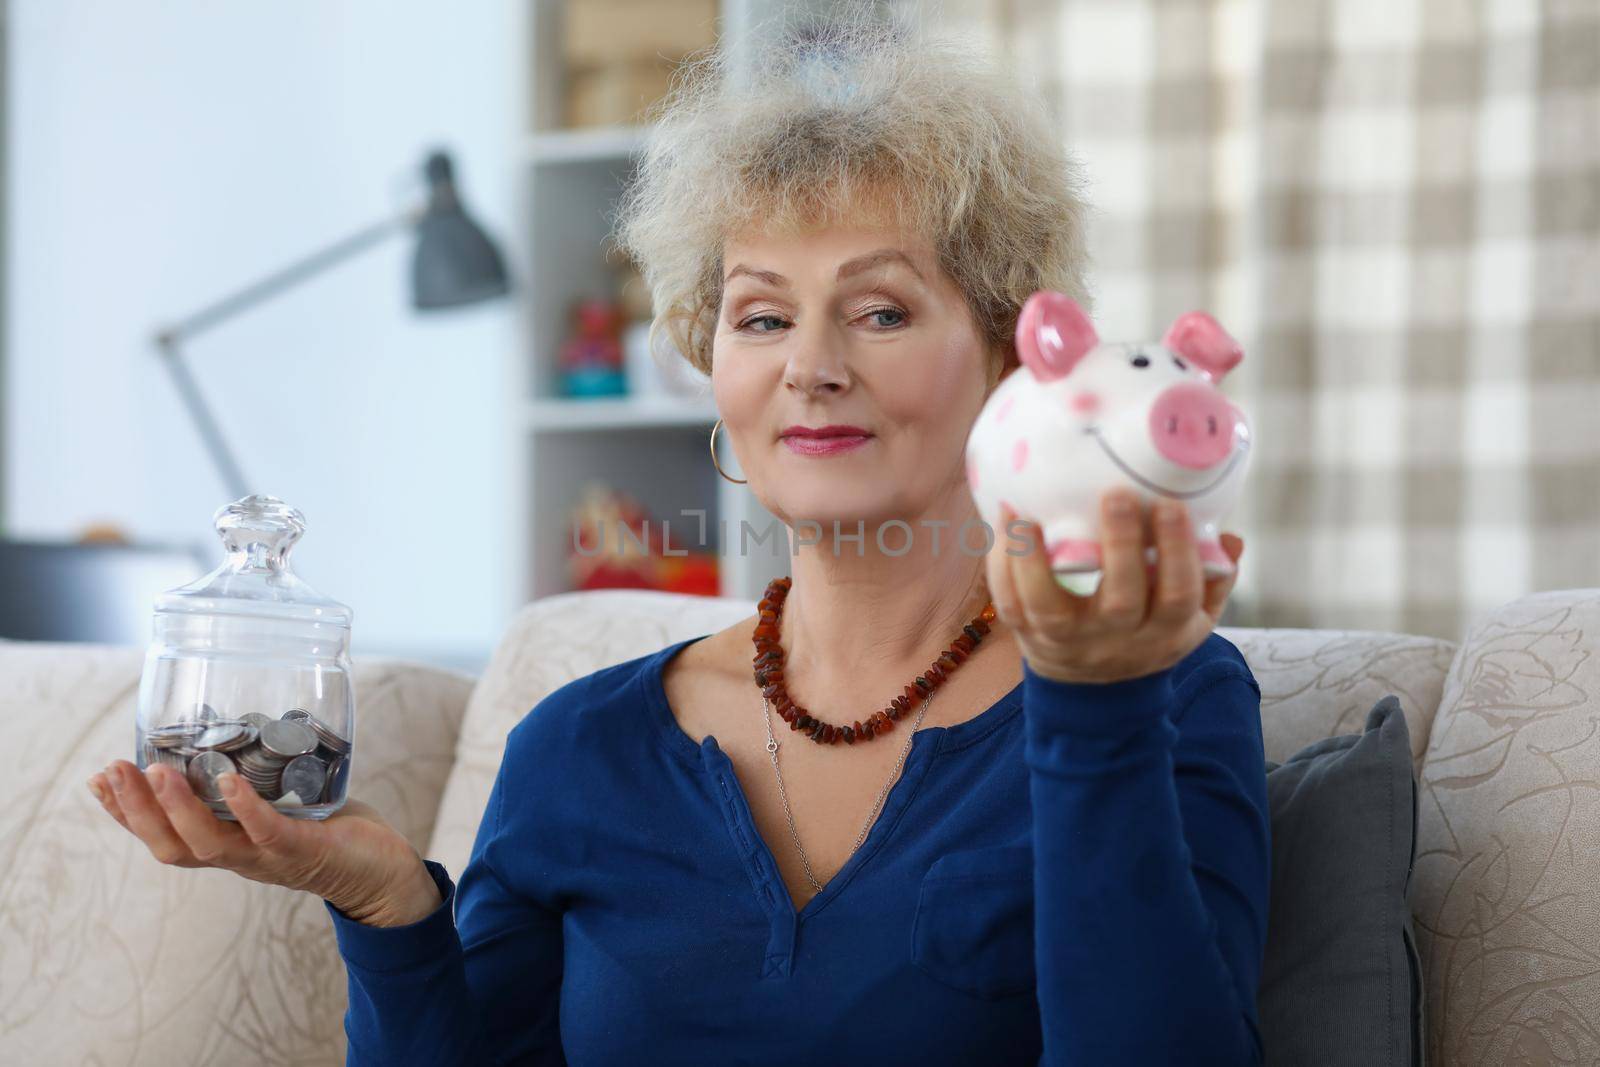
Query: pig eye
[[1141, 361], [1181, 364]]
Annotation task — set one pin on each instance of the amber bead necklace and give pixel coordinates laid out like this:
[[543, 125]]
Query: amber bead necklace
[[768, 664]]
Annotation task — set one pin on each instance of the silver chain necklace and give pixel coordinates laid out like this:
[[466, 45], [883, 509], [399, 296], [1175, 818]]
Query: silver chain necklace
[[883, 794]]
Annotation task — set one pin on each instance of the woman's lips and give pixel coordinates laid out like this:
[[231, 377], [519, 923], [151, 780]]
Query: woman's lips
[[824, 446]]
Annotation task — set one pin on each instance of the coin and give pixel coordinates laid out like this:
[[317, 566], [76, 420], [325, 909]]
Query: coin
[[260, 772], [261, 769], [203, 771], [208, 713], [326, 735], [286, 739], [254, 718], [258, 755], [221, 736], [338, 771], [173, 734], [306, 776], [296, 715], [244, 740]]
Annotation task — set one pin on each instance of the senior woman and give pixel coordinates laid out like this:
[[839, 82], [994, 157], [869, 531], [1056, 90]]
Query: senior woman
[[925, 806]]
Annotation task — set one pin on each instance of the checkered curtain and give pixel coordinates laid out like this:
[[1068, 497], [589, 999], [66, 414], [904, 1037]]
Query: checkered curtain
[[1394, 205]]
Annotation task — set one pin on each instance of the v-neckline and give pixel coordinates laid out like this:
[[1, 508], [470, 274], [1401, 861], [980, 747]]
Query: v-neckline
[[760, 850], [708, 755]]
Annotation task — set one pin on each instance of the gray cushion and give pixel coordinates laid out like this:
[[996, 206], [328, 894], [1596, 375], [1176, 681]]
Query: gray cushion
[[1341, 982]]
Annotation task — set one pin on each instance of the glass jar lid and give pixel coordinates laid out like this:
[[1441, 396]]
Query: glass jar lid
[[258, 532]]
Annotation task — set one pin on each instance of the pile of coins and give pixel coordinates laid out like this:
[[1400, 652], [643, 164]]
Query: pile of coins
[[293, 760]]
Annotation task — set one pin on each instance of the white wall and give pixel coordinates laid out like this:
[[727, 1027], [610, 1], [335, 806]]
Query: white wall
[[164, 152]]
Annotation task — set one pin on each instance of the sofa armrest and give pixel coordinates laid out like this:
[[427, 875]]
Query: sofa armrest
[[1506, 885]]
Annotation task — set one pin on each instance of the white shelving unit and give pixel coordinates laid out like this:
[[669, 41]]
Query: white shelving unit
[[654, 448]]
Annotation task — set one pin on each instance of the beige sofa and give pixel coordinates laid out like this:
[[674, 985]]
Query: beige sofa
[[107, 957]]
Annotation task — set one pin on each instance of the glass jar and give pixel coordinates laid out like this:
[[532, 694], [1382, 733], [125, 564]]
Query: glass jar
[[249, 671]]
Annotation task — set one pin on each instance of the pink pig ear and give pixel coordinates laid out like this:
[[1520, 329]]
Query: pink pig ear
[[1053, 333], [1198, 338]]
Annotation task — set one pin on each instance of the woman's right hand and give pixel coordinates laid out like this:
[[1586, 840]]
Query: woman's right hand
[[353, 859]]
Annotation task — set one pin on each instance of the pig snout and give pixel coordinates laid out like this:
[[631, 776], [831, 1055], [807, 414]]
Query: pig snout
[[1192, 425]]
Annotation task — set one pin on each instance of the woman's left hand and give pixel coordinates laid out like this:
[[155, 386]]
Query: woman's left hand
[[1136, 622]]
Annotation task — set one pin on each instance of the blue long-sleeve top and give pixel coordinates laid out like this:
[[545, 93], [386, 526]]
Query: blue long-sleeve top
[[1076, 875]]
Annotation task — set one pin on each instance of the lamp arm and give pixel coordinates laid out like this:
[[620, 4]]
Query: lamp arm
[[210, 433], [287, 277], [169, 340]]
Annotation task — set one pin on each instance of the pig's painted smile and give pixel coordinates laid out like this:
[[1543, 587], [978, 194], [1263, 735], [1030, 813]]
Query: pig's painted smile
[[1094, 431]]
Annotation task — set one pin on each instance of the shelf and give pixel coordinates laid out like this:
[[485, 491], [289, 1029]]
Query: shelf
[[585, 145], [653, 446], [618, 413]]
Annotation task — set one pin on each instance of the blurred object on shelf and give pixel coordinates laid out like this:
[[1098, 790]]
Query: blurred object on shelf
[[695, 573], [663, 372], [591, 357], [626, 548], [620, 54], [103, 533], [611, 558]]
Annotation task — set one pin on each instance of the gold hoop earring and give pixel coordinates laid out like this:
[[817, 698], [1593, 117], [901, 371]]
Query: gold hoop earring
[[714, 463]]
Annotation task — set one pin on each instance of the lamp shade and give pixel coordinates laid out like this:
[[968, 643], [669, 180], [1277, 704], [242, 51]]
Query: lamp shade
[[455, 262]]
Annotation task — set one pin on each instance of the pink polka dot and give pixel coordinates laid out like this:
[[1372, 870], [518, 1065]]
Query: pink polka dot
[[1019, 453], [1004, 409], [1084, 403]]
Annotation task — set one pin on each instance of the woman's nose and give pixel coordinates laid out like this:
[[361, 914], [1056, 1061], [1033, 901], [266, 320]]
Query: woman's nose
[[816, 364], [812, 381]]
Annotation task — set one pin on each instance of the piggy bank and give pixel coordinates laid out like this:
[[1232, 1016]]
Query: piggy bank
[[1080, 416]]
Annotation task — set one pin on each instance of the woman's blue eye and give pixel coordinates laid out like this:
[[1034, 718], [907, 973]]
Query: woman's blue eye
[[749, 323]]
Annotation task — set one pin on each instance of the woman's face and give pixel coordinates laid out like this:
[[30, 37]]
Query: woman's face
[[852, 327]]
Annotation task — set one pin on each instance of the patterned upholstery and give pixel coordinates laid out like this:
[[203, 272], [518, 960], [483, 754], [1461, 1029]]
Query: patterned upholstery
[[110, 957], [1506, 890]]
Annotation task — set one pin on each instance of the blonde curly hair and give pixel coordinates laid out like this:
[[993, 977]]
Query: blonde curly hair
[[849, 116]]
